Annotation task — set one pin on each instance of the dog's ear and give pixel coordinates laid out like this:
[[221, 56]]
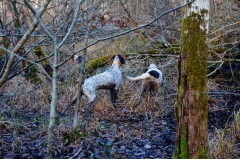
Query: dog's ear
[[112, 58], [122, 59]]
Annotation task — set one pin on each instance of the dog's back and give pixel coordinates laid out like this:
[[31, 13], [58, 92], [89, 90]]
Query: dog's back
[[105, 80], [156, 74]]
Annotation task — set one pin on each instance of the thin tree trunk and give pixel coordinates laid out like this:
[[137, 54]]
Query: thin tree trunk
[[54, 93], [53, 104], [192, 107], [77, 112], [81, 77]]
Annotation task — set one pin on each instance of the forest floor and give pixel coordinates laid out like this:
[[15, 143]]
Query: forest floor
[[125, 135]]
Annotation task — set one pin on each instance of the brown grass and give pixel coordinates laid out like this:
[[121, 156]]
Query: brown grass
[[224, 143]]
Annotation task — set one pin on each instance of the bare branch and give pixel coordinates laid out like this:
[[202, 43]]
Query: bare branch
[[38, 16], [215, 69], [21, 58], [72, 24], [126, 32]]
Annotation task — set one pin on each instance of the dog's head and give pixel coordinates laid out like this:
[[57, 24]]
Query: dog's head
[[77, 58], [152, 66], [119, 60]]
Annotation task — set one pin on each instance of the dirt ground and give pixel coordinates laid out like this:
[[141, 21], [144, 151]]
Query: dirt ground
[[128, 134]]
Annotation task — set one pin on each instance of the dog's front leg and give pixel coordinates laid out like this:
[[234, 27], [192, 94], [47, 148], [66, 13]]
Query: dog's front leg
[[114, 94]]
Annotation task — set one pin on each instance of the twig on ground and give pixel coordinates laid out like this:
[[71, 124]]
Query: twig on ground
[[78, 152]]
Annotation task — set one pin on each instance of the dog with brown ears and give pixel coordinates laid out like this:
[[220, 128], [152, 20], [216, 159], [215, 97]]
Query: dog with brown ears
[[152, 79], [111, 79]]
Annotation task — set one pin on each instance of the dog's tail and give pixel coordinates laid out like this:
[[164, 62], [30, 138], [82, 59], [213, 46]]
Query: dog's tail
[[162, 82], [143, 76]]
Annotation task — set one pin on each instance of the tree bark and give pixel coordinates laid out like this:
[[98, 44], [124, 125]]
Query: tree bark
[[192, 107]]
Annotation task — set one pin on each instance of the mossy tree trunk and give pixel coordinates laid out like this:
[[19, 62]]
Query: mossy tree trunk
[[45, 63], [192, 108]]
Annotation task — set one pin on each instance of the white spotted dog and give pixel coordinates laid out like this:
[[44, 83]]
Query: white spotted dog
[[152, 79], [111, 79]]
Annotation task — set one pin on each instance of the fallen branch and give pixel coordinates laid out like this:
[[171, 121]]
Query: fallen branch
[[78, 152]]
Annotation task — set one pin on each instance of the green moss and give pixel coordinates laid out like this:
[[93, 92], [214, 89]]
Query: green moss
[[17, 23], [31, 75], [181, 151], [159, 45], [38, 52], [1, 52], [181, 89], [202, 153], [74, 135], [184, 143], [194, 40], [97, 63], [195, 51], [204, 11], [176, 153], [46, 65], [197, 96]]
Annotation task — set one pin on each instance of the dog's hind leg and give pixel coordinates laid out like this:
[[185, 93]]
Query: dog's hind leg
[[144, 88], [88, 107]]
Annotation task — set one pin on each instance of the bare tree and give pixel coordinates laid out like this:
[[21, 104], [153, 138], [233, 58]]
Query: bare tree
[[54, 93]]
